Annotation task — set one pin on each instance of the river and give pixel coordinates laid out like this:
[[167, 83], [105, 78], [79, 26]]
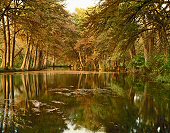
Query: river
[[82, 102]]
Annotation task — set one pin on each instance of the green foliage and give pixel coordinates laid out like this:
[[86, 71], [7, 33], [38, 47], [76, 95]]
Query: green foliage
[[165, 68], [18, 61], [137, 62], [158, 65], [79, 17], [163, 78], [159, 60]]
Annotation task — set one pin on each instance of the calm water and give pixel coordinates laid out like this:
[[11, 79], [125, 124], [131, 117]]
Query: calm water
[[82, 102]]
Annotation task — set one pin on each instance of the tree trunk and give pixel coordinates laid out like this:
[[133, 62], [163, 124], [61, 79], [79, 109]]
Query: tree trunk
[[53, 61], [5, 44], [46, 59], [146, 49], [146, 44], [166, 46], [159, 42], [26, 54], [80, 59], [151, 44], [35, 57], [39, 60], [9, 40], [28, 63], [13, 48], [132, 52], [14, 39]]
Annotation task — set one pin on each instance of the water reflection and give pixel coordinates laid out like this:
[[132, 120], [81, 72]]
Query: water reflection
[[54, 101]]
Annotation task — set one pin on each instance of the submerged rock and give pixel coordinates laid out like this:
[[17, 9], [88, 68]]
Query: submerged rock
[[52, 110], [58, 102]]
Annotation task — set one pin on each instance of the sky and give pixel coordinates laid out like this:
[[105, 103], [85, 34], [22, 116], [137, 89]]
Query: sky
[[71, 5]]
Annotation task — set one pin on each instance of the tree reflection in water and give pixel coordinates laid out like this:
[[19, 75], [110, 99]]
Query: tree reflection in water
[[108, 102]]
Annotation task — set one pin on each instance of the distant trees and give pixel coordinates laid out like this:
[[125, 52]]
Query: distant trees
[[85, 45]]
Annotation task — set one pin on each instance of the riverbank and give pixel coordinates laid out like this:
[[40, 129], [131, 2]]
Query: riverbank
[[152, 77], [17, 70]]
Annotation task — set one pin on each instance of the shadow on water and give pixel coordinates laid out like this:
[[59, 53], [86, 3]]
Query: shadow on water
[[82, 102]]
